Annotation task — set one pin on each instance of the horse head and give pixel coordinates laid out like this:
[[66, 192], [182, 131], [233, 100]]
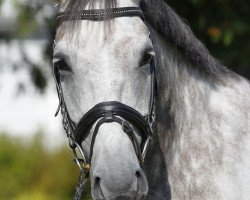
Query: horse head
[[104, 69]]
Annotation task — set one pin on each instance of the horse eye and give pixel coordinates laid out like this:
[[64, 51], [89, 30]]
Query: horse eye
[[62, 65], [147, 57]]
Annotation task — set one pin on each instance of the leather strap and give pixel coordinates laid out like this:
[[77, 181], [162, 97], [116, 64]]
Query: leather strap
[[100, 14], [114, 108]]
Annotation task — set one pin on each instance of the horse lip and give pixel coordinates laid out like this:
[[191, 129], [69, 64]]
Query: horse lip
[[124, 195], [132, 195]]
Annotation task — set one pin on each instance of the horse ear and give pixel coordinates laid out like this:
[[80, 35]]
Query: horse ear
[[56, 3]]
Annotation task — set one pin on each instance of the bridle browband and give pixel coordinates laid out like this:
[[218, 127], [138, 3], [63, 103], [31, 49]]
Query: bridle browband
[[106, 112], [100, 14]]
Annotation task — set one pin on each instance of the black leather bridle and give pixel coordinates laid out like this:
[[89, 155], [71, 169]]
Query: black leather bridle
[[106, 112]]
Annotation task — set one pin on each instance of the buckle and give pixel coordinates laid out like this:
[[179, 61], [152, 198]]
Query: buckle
[[109, 117], [126, 127]]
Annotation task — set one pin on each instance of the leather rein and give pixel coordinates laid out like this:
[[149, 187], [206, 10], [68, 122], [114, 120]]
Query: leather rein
[[105, 112]]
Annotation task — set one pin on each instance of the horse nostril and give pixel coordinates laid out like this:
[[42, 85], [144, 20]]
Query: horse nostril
[[97, 190], [138, 174], [97, 180], [142, 184]]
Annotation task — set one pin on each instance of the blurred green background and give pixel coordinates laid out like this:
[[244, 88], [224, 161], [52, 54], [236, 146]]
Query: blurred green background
[[30, 170]]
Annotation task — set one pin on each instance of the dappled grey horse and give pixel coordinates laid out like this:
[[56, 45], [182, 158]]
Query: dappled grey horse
[[148, 111]]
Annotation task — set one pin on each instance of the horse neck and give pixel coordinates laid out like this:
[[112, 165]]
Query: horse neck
[[183, 92], [188, 100], [193, 121], [182, 115]]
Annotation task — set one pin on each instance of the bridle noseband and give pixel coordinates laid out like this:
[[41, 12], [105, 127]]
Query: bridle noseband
[[113, 111], [106, 112]]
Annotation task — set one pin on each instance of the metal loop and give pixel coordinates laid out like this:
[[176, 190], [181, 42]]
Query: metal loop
[[77, 160], [145, 148], [109, 117]]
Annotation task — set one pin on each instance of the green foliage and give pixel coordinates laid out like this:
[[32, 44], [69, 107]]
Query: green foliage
[[223, 25], [29, 24], [26, 19], [29, 171], [38, 78]]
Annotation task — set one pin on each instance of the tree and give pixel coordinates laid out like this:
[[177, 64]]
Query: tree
[[224, 27], [31, 19]]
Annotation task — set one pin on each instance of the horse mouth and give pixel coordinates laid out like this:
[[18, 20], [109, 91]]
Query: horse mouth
[[128, 198], [124, 198]]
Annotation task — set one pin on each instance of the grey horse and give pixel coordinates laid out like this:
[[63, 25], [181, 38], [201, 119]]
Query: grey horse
[[201, 145]]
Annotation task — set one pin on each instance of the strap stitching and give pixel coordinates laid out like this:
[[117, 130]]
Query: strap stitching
[[100, 14]]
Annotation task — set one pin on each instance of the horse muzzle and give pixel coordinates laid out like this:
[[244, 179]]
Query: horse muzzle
[[115, 169]]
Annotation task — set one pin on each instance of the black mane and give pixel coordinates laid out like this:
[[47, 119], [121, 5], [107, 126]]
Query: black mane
[[166, 22]]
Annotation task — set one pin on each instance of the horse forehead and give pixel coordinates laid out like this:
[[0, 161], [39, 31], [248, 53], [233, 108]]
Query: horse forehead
[[123, 34], [92, 39], [109, 30]]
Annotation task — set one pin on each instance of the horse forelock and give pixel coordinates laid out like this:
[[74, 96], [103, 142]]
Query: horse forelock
[[74, 6]]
